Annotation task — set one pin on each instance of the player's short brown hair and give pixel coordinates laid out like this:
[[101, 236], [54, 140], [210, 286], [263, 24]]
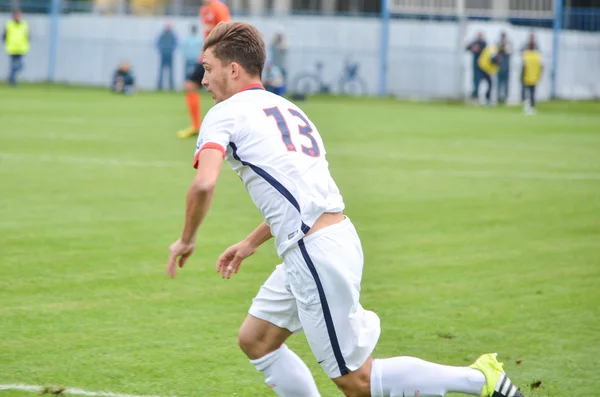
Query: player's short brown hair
[[238, 42]]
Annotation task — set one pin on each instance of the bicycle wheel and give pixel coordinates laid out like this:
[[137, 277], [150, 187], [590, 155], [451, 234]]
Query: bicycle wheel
[[356, 86], [307, 84]]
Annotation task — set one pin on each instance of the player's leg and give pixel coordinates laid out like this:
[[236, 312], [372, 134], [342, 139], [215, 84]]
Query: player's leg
[[488, 93], [325, 270], [191, 87], [170, 71], [530, 100], [502, 93], [410, 376], [15, 61], [342, 334], [476, 78], [272, 318], [159, 81]]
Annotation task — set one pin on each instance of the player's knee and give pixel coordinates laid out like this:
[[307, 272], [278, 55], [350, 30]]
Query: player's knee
[[356, 389], [245, 341], [356, 383], [252, 344], [190, 86]]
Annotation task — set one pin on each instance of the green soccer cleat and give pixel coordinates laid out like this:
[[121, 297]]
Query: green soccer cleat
[[498, 384]]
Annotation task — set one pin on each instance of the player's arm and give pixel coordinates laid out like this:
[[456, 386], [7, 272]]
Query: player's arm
[[198, 202], [259, 236], [201, 191], [229, 262]]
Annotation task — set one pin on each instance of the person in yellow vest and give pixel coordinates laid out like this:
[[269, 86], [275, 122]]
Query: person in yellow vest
[[531, 75], [489, 62], [16, 43]]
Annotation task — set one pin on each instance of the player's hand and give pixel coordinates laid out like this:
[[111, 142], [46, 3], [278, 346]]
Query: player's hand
[[178, 250], [229, 262]]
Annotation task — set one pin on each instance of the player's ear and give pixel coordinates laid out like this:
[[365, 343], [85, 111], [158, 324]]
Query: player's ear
[[235, 70]]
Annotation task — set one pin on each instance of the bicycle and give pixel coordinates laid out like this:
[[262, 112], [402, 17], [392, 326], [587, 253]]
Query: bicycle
[[311, 82]]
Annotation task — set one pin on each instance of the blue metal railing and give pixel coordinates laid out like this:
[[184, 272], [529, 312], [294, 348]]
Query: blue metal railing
[[585, 19]]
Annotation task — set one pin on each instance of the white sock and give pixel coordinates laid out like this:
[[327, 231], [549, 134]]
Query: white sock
[[287, 374], [400, 376]]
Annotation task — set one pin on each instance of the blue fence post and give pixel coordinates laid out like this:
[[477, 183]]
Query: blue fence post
[[556, 27], [53, 37], [384, 43]]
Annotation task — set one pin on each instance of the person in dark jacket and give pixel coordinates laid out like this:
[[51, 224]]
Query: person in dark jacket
[[504, 69], [476, 47], [166, 44], [123, 80]]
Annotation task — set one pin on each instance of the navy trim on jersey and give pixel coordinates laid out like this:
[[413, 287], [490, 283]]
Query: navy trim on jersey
[[305, 228], [335, 345], [273, 182]]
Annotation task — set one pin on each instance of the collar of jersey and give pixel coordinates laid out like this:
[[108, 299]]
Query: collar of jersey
[[252, 87]]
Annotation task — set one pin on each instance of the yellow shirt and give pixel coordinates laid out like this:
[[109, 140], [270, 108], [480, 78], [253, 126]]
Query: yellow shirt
[[17, 38], [485, 60], [532, 67]]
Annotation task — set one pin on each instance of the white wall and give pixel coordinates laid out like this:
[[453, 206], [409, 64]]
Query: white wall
[[426, 59]]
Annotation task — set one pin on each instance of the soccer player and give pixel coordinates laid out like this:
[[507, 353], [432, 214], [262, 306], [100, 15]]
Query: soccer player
[[280, 157], [212, 12], [531, 75]]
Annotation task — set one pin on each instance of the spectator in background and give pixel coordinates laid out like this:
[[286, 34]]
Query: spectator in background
[[530, 43], [504, 68], [166, 44], [123, 80], [489, 61], [531, 75], [279, 52], [476, 47], [16, 43], [191, 47], [272, 78]]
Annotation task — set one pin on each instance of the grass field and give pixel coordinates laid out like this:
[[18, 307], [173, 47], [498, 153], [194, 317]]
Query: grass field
[[481, 231]]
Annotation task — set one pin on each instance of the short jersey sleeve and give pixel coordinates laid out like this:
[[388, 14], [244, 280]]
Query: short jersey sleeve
[[216, 132]]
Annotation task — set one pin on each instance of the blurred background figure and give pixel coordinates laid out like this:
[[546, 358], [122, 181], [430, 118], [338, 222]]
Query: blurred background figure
[[191, 47], [273, 79], [123, 80], [531, 75], [530, 43], [279, 49], [212, 12], [166, 44], [489, 61], [16, 44], [476, 47], [503, 69]]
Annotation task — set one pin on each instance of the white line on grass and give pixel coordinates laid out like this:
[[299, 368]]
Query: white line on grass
[[93, 160], [476, 174], [18, 135], [68, 390]]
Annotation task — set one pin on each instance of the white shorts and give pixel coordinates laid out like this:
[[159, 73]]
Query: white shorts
[[317, 290]]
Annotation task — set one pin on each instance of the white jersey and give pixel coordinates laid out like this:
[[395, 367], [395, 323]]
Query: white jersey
[[279, 155]]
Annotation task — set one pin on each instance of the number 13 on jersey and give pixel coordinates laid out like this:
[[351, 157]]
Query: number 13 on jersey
[[305, 129]]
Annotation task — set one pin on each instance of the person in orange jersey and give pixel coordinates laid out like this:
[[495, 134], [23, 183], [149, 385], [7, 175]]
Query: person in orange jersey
[[212, 12]]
